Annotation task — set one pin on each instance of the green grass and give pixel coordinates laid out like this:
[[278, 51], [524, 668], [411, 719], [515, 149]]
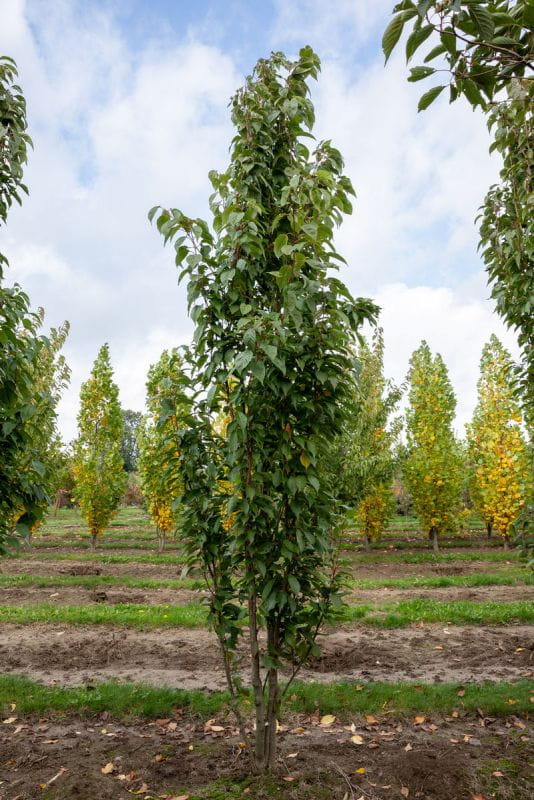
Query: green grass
[[127, 614], [342, 699], [458, 612], [386, 615], [102, 558], [96, 581], [511, 577], [388, 557]]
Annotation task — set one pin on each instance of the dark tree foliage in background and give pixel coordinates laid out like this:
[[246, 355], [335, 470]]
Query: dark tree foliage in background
[[273, 355], [129, 447], [21, 490], [485, 48]]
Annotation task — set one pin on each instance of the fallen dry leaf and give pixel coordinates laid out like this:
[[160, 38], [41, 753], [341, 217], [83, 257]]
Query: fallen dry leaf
[[419, 720], [372, 720], [356, 739], [478, 796], [460, 692], [108, 768], [143, 790], [498, 774], [288, 778], [159, 757], [405, 792], [327, 720], [9, 720], [408, 747], [292, 755], [360, 771]]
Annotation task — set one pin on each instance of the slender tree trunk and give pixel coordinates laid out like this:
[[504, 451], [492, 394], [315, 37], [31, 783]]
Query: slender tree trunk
[[259, 750], [273, 700], [506, 542], [489, 528], [434, 536], [366, 543], [161, 540], [29, 539], [93, 540]]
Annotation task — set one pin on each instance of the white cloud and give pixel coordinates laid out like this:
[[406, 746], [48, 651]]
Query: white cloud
[[453, 325], [118, 129]]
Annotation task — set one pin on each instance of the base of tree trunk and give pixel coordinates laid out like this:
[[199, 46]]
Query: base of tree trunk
[[366, 543], [435, 542]]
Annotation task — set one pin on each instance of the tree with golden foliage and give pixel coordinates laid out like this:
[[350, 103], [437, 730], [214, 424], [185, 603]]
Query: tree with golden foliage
[[362, 460], [433, 467], [156, 438], [498, 452], [97, 464]]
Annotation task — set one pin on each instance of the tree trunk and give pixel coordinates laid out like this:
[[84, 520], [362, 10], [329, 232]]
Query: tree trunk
[[93, 541], [161, 540], [29, 539], [366, 543], [434, 536], [489, 528], [259, 749], [506, 542], [273, 703]]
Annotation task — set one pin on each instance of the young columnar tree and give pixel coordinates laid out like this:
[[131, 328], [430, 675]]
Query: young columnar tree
[[156, 438], [363, 462], [51, 376], [19, 343], [433, 467], [486, 50], [273, 350], [97, 464], [498, 453]]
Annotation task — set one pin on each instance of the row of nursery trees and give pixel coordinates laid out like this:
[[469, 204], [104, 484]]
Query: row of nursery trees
[[493, 463]]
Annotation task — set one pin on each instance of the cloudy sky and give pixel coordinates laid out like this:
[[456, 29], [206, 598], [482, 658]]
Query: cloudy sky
[[127, 107]]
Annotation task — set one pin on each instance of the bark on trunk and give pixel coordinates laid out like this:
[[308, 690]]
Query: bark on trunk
[[489, 528], [93, 541], [161, 541], [366, 543], [259, 749], [506, 543], [434, 537]]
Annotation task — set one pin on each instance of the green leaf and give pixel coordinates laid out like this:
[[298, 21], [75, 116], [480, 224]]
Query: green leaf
[[392, 34], [483, 21], [416, 39], [258, 370], [294, 585], [418, 73], [279, 242], [429, 97]]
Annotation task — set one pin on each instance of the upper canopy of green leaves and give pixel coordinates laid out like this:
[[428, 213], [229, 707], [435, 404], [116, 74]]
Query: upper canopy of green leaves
[[482, 44]]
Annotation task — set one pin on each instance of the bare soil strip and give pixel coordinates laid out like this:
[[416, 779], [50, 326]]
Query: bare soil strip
[[34, 566], [440, 758], [189, 659], [116, 595]]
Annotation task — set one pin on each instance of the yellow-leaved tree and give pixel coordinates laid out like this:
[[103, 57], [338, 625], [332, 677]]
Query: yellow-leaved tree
[[156, 438], [433, 466], [501, 478], [98, 466]]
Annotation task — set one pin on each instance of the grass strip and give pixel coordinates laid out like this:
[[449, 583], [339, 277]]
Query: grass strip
[[510, 577], [84, 544], [131, 615], [387, 557], [97, 581], [387, 615], [344, 700], [456, 612], [101, 558]]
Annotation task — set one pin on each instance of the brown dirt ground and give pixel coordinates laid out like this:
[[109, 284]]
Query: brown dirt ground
[[113, 595], [444, 758], [73, 655], [34, 566]]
